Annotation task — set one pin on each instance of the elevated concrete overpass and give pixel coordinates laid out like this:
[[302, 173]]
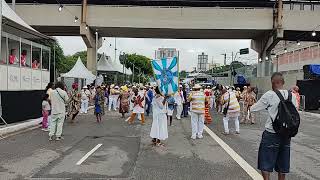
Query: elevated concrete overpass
[[264, 23]]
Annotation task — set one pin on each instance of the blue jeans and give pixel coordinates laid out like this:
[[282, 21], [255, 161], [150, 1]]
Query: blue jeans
[[274, 153], [149, 105], [185, 110]]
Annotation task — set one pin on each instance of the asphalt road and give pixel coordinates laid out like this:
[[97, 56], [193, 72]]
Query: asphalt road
[[305, 147], [126, 152]]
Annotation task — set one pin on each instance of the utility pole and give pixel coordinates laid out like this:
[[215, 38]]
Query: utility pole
[[115, 49], [139, 74], [212, 66], [225, 59], [132, 73]]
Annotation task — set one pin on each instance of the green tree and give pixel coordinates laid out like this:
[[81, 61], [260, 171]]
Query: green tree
[[139, 61], [183, 74], [56, 51]]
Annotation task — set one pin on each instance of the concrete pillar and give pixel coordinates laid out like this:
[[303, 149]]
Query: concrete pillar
[[89, 37], [91, 60]]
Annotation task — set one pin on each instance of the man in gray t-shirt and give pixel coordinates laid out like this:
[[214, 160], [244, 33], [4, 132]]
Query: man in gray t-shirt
[[274, 150]]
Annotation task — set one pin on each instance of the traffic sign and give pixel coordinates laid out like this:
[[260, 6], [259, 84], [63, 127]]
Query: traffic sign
[[244, 51]]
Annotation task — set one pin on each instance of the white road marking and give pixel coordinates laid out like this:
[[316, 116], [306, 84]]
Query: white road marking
[[88, 154], [245, 166]]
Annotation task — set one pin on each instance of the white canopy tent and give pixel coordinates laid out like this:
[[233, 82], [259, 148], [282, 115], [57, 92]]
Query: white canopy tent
[[107, 65], [81, 72]]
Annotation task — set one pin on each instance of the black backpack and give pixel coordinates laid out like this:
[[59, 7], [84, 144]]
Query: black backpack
[[287, 121]]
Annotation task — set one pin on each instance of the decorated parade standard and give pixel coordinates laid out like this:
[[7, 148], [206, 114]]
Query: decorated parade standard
[[166, 74]]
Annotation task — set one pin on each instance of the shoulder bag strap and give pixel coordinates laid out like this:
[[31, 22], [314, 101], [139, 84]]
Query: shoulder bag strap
[[228, 101], [279, 95], [289, 95], [61, 96]]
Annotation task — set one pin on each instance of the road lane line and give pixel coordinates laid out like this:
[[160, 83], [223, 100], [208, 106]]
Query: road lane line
[[88, 154], [245, 166]]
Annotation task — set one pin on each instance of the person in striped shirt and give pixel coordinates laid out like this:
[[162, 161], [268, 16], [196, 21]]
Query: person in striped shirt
[[197, 102], [229, 101]]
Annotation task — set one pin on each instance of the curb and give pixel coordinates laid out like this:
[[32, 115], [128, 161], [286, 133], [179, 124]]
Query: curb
[[11, 128], [310, 114]]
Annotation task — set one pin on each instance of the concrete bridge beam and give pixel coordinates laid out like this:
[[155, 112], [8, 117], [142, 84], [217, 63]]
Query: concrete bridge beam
[[91, 39]]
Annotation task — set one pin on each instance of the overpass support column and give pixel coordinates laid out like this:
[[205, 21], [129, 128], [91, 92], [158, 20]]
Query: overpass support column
[[91, 39], [266, 43], [264, 47], [93, 43]]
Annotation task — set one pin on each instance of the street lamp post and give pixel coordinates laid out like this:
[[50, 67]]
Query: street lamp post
[[96, 53], [139, 74]]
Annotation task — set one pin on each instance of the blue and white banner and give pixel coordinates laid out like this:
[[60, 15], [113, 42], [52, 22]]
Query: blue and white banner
[[166, 74]]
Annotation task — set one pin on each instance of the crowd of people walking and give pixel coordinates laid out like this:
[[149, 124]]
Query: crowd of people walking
[[235, 105], [141, 100]]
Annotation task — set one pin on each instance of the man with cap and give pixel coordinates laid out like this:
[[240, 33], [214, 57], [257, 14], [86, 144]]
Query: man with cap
[[113, 97], [232, 110], [85, 96], [179, 100], [116, 97], [197, 105]]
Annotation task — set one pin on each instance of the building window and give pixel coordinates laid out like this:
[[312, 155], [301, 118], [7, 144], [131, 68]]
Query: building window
[[14, 50], [4, 50], [36, 57], [25, 58], [45, 59]]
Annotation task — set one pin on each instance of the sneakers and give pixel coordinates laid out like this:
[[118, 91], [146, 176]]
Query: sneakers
[[193, 137], [200, 136], [45, 129], [50, 138], [237, 132], [59, 138]]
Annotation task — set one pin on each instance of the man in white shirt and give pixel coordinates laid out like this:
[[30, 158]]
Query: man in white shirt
[[85, 95], [59, 99], [274, 150], [178, 98]]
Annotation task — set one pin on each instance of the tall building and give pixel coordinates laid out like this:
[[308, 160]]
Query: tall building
[[166, 53], [203, 62]]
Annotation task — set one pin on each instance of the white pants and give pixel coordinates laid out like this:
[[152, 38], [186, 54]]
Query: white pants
[[56, 125], [197, 124], [49, 121], [179, 111], [226, 123], [84, 105], [112, 101]]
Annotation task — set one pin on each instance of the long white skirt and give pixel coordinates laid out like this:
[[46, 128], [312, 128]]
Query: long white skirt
[[159, 127]]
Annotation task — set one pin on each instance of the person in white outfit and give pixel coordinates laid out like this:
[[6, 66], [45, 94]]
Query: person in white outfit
[[116, 97], [59, 99], [178, 98], [113, 97], [159, 129], [85, 95], [197, 109]]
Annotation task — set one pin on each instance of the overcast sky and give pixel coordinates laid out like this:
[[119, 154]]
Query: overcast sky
[[188, 48]]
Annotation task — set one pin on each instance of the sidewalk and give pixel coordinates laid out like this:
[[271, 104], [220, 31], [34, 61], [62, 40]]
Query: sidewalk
[[23, 125], [14, 127]]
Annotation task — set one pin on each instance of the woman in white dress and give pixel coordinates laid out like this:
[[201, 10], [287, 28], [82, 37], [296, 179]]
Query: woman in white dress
[[159, 129]]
